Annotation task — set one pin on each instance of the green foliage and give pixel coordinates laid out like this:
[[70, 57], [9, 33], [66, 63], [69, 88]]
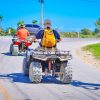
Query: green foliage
[[20, 22], [68, 34], [97, 35], [87, 36], [1, 17], [86, 31], [97, 22], [97, 30], [34, 22], [2, 32], [6, 32], [94, 48], [10, 31]]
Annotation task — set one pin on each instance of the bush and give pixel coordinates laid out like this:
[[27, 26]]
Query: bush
[[69, 34], [87, 36]]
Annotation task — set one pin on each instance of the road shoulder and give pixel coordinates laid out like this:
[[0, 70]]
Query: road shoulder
[[88, 58]]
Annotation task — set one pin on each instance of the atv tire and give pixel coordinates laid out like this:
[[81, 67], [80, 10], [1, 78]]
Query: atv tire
[[15, 50], [66, 77], [35, 72], [11, 48], [25, 67]]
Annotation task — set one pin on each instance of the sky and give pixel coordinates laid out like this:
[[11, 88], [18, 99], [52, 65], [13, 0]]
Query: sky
[[66, 15]]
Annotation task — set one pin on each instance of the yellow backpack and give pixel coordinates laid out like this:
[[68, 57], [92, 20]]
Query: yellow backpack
[[48, 39]]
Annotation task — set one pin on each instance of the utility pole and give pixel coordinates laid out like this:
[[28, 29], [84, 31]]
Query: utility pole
[[42, 12]]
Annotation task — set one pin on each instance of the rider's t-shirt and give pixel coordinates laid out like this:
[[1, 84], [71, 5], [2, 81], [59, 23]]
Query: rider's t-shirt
[[22, 34]]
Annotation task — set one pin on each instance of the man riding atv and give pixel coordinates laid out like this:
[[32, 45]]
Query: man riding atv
[[49, 38], [22, 33], [47, 59], [20, 43]]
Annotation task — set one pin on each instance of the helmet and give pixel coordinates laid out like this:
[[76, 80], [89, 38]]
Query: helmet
[[47, 23], [21, 25]]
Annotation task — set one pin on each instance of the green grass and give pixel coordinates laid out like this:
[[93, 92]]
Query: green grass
[[94, 49]]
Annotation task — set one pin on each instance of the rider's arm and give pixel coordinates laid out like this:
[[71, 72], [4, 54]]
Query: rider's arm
[[33, 39], [39, 34], [28, 34], [57, 36]]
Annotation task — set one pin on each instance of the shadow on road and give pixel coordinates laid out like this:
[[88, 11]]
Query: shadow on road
[[20, 77], [85, 85], [16, 77], [50, 79], [7, 54]]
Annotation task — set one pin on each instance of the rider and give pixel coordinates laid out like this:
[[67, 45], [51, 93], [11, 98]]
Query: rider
[[22, 33], [47, 27], [48, 41]]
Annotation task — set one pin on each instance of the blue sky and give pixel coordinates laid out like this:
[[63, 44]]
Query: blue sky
[[67, 15]]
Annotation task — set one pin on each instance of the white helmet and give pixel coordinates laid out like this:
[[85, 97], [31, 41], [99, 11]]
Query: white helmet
[[47, 23]]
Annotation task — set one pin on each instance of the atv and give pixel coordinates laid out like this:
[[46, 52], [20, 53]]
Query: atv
[[49, 61], [18, 46]]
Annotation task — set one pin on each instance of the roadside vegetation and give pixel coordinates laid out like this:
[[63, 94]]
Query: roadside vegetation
[[84, 33], [94, 49], [10, 30]]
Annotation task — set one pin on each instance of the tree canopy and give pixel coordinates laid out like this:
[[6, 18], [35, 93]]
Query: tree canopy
[[20, 22], [34, 22], [98, 22]]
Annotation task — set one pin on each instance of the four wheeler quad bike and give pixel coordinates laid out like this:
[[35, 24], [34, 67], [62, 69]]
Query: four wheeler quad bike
[[18, 46], [36, 61]]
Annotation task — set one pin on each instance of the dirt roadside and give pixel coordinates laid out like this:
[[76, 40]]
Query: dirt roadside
[[88, 58]]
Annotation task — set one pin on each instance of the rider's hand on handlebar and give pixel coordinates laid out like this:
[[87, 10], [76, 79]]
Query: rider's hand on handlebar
[[33, 39], [58, 40]]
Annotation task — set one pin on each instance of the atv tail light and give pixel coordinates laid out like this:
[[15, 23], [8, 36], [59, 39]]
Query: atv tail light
[[16, 43], [28, 43]]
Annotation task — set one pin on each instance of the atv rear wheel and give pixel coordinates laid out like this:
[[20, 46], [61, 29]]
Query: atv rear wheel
[[35, 72], [15, 50], [25, 67], [66, 77], [11, 48]]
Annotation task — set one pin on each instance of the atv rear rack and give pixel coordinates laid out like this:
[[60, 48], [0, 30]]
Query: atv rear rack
[[51, 54]]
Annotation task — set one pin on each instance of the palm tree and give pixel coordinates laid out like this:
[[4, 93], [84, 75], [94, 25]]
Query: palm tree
[[97, 30], [1, 17], [98, 23], [34, 22], [20, 22]]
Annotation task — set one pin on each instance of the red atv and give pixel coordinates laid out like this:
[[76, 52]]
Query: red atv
[[18, 46]]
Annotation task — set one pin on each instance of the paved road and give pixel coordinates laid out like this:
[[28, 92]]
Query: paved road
[[15, 86]]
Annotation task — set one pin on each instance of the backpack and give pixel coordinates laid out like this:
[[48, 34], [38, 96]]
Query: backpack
[[48, 39]]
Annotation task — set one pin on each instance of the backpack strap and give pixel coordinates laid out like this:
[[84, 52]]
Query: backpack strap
[[42, 34]]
